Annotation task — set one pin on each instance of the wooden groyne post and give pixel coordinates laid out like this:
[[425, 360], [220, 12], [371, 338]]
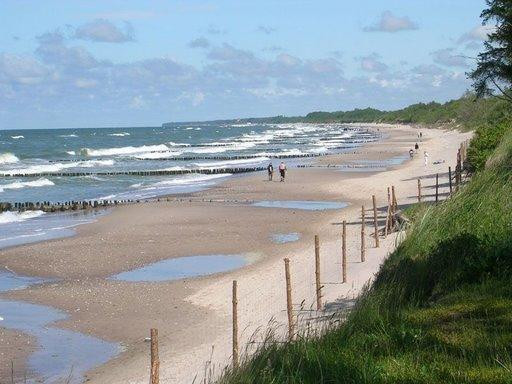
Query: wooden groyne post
[[317, 274], [155, 362], [289, 308], [235, 325], [375, 221]]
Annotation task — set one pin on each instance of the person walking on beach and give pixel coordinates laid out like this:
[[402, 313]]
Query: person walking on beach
[[416, 147], [411, 153], [282, 170], [270, 170], [425, 157]]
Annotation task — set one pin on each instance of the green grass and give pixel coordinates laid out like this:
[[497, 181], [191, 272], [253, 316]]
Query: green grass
[[439, 311]]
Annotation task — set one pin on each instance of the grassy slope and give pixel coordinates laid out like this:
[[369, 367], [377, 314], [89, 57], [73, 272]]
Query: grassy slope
[[440, 310]]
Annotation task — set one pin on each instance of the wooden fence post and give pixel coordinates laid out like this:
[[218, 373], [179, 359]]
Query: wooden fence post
[[387, 227], [437, 187], [419, 191], [375, 222], [393, 196], [155, 362], [235, 325], [450, 178], [362, 235], [344, 252], [288, 298], [317, 274]]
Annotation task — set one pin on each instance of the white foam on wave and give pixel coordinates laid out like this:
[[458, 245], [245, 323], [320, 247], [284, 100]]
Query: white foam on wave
[[173, 144], [43, 182], [189, 179], [17, 137], [227, 163], [288, 152], [124, 150], [56, 167], [158, 155], [71, 135], [13, 217], [8, 158], [120, 134], [71, 153]]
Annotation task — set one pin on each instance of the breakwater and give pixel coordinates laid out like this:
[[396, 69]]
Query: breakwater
[[159, 172]]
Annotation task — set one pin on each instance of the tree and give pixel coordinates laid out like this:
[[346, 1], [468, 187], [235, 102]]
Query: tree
[[494, 65]]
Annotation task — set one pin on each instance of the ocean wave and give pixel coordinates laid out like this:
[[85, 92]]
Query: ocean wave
[[12, 217], [17, 137], [43, 182], [8, 158], [158, 155], [173, 144], [227, 163], [121, 134], [123, 150], [71, 153], [71, 135], [56, 167], [189, 179], [288, 152]]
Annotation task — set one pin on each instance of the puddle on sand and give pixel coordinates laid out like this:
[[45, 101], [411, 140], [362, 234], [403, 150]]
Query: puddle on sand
[[308, 205], [282, 238], [48, 226], [61, 354], [184, 267], [10, 281]]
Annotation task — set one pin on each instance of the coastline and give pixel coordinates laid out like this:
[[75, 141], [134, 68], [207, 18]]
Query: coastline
[[193, 314]]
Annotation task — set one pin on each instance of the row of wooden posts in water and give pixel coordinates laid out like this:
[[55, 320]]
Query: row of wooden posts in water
[[394, 220], [48, 206], [158, 172]]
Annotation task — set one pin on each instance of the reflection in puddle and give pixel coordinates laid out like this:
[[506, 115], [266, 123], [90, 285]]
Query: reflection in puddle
[[184, 267], [282, 238], [307, 205]]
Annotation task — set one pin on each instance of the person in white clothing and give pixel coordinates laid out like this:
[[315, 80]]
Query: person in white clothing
[[282, 170], [425, 157]]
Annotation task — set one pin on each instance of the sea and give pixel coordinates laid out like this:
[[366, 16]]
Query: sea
[[43, 155]]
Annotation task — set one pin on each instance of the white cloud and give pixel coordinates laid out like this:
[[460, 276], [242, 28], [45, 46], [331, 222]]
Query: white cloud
[[200, 42], [391, 23], [85, 83], [22, 69], [372, 63], [265, 29], [479, 33], [449, 58], [102, 30], [137, 102]]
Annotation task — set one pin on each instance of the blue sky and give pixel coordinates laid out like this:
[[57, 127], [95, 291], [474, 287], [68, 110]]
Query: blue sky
[[131, 63]]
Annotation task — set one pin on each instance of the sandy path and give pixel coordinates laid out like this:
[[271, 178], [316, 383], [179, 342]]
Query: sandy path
[[194, 315]]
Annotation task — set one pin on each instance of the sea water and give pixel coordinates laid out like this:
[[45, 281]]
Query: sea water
[[176, 146]]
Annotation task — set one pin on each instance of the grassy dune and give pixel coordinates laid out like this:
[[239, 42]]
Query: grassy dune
[[440, 310]]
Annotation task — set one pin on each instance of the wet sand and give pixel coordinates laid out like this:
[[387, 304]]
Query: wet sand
[[193, 315]]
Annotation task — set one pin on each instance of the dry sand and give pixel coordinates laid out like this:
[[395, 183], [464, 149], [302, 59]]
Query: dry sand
[[194, 315]]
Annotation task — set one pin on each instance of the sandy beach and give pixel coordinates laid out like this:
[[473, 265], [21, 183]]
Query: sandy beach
[[193, 316]]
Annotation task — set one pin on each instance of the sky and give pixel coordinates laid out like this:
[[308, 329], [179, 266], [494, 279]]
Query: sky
[[117, 63]]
